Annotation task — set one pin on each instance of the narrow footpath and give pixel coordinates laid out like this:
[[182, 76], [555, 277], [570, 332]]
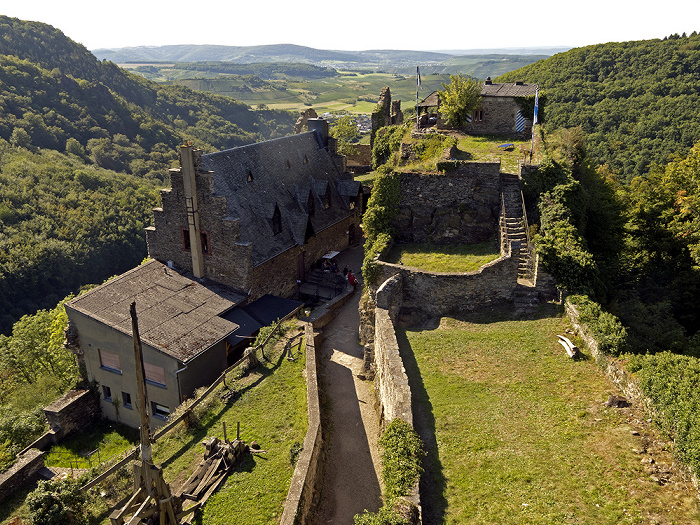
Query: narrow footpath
[[351, 482]]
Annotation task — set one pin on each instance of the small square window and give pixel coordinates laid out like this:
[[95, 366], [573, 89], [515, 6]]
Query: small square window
[[106, 393], [126, 399], [159, 411]]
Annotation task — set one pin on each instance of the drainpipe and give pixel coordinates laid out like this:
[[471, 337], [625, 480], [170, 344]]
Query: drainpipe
[[188, 178]]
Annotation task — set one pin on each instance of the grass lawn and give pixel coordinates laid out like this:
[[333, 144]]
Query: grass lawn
[[485, 149], [454, 258], [271, 410], [516, 432], [108, 438]]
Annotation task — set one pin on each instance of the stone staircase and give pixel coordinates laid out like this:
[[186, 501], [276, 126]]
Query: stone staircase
[[514, 221], [514, 224]]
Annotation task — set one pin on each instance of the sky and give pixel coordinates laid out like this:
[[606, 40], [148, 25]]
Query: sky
[[361, 24]]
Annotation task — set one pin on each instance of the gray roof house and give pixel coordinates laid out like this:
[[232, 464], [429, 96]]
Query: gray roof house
[[500, 113]]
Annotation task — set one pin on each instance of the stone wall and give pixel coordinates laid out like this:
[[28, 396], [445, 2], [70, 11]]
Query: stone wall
[[392, 382], [166, 242], [24, 471], [461, 206], [361, 155], [429, 295], [305, 488], [73, 411]]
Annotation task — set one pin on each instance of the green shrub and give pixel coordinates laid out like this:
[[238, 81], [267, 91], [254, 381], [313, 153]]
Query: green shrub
[[385, 516], [387, 141], [57, 503], [402, 452], [604, 326], [672, 384], [382, 207]]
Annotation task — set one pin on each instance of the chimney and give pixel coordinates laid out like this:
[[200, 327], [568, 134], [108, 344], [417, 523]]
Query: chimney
[[488, 81], [190, 156], [320, 127], [519, 83]]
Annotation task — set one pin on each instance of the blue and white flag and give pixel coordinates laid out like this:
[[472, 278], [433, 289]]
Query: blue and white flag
[[417, 77], [537, 105], [519, 122]]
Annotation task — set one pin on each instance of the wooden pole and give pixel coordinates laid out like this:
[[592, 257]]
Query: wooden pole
[[146, 455]]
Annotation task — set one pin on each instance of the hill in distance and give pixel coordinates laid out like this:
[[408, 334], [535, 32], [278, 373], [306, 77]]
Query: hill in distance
[[391, 61]]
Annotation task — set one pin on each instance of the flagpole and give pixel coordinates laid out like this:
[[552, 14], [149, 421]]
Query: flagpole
[[417, 88], [534, 120]]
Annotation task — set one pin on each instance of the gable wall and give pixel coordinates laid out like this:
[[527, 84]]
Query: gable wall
[[229, 262]]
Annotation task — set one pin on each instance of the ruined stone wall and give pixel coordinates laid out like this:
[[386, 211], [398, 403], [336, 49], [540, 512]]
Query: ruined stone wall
[[22, 472], [429, 295], [362, 155], [73, 411], [393, 390], [461, 206]]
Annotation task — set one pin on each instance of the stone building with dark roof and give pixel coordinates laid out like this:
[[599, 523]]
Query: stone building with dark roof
[[500, 113], [266, 213], [236, 234]]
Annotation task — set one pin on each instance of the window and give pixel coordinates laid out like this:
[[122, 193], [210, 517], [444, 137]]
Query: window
[[110, 361], [203, 237], [106, 393], [154, 374], [186, 239], [159, 411], [306, 159], [478, 115], [126, 400], [288, 165], [250, 176], [276, 221]]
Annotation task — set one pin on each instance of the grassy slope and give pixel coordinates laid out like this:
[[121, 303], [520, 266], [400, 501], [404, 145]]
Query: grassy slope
[[517, 432], [271, 411]]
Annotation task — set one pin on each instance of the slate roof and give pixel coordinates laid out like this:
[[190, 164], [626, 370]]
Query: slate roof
[[279, 172], [508, 90], [430, 101], [177, 314]]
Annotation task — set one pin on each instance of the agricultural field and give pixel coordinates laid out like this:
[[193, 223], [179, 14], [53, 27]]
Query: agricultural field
[[516, 432]]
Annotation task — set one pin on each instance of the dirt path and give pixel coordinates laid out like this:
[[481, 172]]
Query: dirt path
[[351, 482]]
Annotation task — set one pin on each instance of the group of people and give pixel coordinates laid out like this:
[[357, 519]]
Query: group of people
[[347, 272]]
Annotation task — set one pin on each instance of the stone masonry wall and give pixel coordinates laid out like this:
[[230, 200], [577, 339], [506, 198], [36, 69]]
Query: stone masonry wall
[[228, 261], [461, 206], [275, 277], [22, 472], [499, 118], [73, 411], [429, 294], [393, 390]]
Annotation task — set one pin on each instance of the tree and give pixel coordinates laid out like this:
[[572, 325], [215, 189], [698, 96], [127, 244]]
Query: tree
[[344, 130], [459, 98]]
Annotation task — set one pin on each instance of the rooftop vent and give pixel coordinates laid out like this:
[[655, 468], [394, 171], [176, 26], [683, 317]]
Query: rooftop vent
[[519, 83]]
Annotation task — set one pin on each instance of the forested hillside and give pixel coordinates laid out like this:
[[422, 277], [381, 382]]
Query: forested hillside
[[53, 90], [637, 102], [84, 147]]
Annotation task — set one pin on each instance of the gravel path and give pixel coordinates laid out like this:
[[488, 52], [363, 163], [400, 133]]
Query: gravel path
[[351, 482]]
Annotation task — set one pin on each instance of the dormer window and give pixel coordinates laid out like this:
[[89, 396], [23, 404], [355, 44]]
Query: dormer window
[[276, 221], [327, 197], [306, 159], [288, 164], [250, 176], [310, 205]]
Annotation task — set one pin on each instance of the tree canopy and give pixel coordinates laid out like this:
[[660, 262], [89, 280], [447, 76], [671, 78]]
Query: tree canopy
[[458, 99]]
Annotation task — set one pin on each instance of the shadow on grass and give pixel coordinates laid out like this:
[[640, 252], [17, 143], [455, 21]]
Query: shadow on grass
[[432, 483], [197, 434]]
